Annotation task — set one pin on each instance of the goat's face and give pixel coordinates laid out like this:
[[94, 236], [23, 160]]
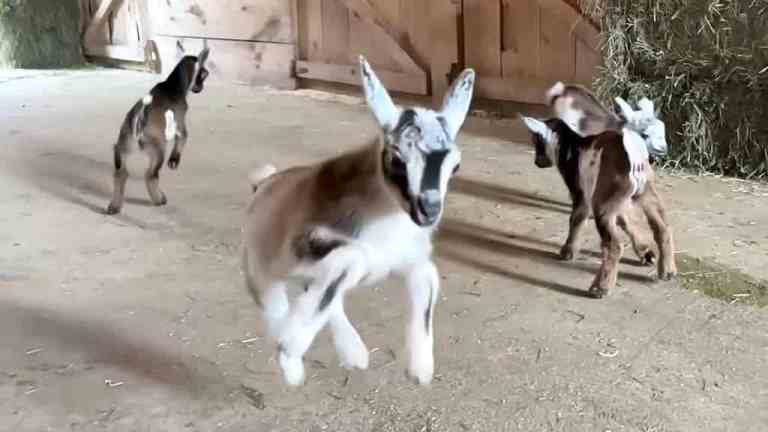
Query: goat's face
[[645, 122], [544, 140], [420, 151], [201, 73]]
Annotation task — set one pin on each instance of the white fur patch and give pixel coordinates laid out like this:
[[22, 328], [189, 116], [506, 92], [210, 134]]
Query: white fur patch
[[557, 90], [146, 100], [637, 150], [170, 125]]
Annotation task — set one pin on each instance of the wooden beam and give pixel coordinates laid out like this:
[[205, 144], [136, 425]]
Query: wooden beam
[[397, 81], [579, 24], [117, 52], [395, 42], [443, 29], [513, 88], [99, 18]]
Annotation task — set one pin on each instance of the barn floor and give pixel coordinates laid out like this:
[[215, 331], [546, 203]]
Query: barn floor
[[141, 323]]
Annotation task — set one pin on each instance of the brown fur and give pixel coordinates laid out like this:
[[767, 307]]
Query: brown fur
[[288, 205], [603, 171]]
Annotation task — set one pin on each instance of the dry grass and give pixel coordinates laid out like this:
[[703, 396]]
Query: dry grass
[[705, 62], [38, 34]]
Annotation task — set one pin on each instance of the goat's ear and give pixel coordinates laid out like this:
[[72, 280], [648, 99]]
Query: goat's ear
[[557, 90], [377, 97], [457, 101], [203, 56], [625, 108], [535, 126], [646, 106], [180, 52]]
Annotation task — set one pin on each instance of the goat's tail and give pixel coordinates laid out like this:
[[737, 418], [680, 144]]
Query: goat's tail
[[257, 176]]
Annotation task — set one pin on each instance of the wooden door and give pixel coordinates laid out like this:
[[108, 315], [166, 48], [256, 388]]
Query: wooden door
[[390, 33], [520, 48], [117, 29]]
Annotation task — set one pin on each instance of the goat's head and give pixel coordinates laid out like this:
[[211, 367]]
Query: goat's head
[[194, 66], [645, 122], [546, 141], [420, 151]]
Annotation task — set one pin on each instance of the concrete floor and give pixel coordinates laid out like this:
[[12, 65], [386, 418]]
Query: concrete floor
[[141, 323]]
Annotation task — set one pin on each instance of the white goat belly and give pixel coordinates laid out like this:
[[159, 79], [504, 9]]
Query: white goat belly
[[170, 125]]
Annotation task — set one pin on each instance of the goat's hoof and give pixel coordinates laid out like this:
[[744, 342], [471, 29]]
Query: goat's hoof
[[567, 253], [597, 292], [647, 258], [421, 371], [112, 209], [357, 358], [293, 369], [667, 275], [174, 161], [161, 202]]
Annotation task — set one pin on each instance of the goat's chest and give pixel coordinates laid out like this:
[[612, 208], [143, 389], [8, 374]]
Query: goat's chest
[[396, 243]]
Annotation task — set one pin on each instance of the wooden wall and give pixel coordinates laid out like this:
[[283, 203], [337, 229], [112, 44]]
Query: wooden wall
[[518, 47]]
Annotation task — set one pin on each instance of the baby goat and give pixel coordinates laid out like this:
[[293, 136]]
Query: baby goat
[[606, 174], [157, 118], [353, 220]]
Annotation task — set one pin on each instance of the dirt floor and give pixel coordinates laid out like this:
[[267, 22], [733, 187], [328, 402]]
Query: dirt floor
[[141, 322]]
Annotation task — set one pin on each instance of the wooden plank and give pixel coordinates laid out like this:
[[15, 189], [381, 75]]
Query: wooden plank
[[310, 30], [349, 74], [392, 42], [250, 20], [482, 36], [573, 21], [336, 33], [99, 19], [587, 62], [558, 46], [512, 88], [242, 62], [117, 52], [444, 18], [415, 21], [520, 28]]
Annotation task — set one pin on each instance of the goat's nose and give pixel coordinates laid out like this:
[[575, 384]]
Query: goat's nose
[[430, 204]]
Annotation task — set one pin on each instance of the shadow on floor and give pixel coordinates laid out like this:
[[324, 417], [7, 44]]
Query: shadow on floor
[[101, 342], [507, 195], [457, 240]]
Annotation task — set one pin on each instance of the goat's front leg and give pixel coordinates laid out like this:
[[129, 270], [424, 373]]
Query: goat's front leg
[[337, 273], [639, 244], [423, 284], [180, 139], [579, 216]]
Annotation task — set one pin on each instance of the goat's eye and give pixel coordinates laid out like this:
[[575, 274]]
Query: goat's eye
[[456, 168]]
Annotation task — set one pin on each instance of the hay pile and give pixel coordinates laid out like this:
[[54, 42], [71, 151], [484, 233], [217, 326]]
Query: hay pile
[[40, 34], [705, 63]]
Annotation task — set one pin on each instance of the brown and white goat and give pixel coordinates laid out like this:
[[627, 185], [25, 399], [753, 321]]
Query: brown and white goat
[[353, 220], [607, 174], [157, 118]]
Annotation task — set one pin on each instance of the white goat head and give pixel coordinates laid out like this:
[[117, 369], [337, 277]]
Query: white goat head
[[645, 122], [420, 153]]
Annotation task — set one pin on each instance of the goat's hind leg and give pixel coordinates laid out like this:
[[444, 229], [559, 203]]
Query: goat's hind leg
[[336, 274], [579, 216], [156, 151], [662, 232], [350, 347], [120, 176], [644, 252]]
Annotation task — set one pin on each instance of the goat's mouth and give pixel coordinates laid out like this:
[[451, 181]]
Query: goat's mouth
[[425, 213]]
